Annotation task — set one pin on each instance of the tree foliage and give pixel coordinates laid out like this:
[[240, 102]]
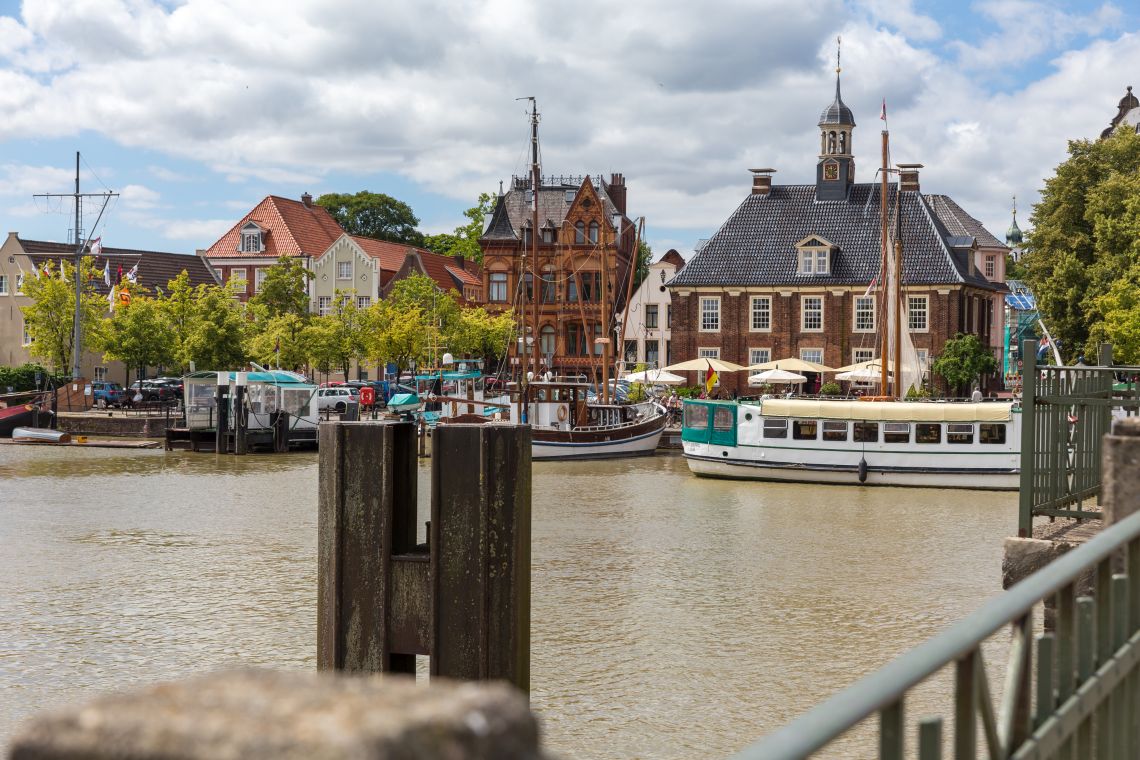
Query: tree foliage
[[963, 360], [50, 316], [373, 215], [1086, 239], [285, 290], [139, 334], [644, 257], [217, 330], [465, 240]]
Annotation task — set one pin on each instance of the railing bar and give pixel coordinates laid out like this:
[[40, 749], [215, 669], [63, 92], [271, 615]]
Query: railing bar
[[1134, 586], [1086, 610], [826, 721], [986, 709], [965, 694], [1103, 611], [1066, 620], [891, 732], [1119, 701], [1044, 679], [1014, 712], [930, 739]]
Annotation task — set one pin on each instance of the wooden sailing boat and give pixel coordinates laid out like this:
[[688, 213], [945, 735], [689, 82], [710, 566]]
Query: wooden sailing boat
[[565, 422]]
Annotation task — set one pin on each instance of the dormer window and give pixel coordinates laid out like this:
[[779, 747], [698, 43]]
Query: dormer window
[[251, 239], [548, 234], [814, 256]]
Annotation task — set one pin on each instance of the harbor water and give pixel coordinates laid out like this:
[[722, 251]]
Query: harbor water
[[672, 616]]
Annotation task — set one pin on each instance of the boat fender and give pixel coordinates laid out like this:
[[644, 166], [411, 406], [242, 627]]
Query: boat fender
[[863, 470], [562, 413]]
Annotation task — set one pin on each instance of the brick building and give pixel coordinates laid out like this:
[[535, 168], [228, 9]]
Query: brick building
[[787, 274], [579, 220]]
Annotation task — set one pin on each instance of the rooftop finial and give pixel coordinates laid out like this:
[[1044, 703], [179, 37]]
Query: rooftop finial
[[838, 49], [1015, 207]]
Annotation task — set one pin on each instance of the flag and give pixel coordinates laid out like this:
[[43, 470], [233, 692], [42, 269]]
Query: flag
[[107, 273], [111, 298], [97, 246], [277, 345], [874, 284], [710, 378], [120, 272], [62, 276], [883, 113], [124, 297], [133, 275]]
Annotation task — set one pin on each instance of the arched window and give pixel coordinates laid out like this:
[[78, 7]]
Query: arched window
[[580, 232], [843, 143], [546, 340], [831, 142], [593, 232], [822, 142]]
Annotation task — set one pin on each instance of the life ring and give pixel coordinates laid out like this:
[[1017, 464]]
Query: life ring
[[562, 413]]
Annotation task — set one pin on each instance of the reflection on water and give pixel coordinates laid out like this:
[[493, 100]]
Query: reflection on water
[[672, 616]]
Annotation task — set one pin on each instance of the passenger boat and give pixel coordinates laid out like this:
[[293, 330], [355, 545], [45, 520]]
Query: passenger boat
[[898, 443]]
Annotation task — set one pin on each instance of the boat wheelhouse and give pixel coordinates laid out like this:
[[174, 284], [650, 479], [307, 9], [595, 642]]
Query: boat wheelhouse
[[266, 393], [934, 443]]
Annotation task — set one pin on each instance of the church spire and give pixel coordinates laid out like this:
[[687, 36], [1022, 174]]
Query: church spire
[[835, 171], [1013, 237]]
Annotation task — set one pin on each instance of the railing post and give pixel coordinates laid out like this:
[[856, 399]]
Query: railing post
[[1028, 437]]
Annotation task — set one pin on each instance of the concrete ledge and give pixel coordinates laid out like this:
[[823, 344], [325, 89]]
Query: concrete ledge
[[260, 714], [120, 425]]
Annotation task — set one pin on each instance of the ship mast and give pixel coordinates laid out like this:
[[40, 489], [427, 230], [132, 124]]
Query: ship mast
[[534, 181], [884, 333], [604, 339]]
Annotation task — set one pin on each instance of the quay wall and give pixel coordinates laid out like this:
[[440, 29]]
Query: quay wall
[[117, 425]]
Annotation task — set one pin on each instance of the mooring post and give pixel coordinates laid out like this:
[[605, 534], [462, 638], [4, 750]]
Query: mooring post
[[221, 402], [239, 417], [1028, 438], [383, 599], [280, 421]]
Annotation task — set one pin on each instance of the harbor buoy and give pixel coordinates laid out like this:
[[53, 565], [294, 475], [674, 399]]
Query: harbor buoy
[[863, 470]]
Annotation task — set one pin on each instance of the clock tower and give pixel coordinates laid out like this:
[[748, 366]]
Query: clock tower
[[835, 172]]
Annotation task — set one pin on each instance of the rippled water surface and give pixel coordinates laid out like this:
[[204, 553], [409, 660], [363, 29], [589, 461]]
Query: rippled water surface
[[672, 617]]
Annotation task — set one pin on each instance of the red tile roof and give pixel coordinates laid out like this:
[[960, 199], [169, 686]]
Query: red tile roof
[[444, 270], [291, 227], [389, 255]]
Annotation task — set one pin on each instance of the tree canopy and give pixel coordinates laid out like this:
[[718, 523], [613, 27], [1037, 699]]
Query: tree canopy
[[1085, 243], [50, 316], [374, 215], [465, 240], [285, 289], [963, 360]]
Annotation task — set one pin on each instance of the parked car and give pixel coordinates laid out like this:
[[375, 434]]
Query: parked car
[[149, 391], [173, 383], [336, 398], [106, 394]]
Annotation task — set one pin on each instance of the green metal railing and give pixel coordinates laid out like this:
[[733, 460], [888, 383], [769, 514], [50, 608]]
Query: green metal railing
[[1082, 697], [1065, 413]]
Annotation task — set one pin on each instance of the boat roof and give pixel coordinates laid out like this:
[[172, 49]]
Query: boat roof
[[269, 377], [888, 411], [450, 375]]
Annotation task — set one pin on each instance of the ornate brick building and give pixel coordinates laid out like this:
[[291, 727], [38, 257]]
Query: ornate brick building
[[581, 222], [788, 273]]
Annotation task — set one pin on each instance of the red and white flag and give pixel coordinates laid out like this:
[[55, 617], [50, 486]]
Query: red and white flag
[[871, 288], [97, 246], [883, 113]]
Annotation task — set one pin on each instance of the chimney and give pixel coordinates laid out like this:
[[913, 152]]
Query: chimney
[[459, 260], [762, 181], [616, 190], [307, 200], [908, 177]]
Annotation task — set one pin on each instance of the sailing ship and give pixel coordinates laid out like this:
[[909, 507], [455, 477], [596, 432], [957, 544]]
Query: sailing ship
[[566, 423], [875, 440]]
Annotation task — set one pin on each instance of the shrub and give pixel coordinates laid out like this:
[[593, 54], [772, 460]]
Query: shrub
[[830, 388]]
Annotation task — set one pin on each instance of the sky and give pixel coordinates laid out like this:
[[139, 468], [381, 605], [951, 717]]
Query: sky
[[194, 110]]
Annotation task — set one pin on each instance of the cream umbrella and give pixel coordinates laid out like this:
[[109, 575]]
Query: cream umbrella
[[870, 363], [654, 377], [792, 365], [863, 375], [776, 377], [703, 363]]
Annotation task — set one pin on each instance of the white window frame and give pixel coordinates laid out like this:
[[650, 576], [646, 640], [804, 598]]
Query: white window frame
[[502, 282], [765, 313], [855, 314], [259, 275], [859, 355], [234, 277], [344, 270], [759, 356], [20, 287], [822, 261], [811, 355], [250, 241], [3, 284], [363, 302], [913, 301], [923, 359], [100, 375], [708, 352], [713, 326], [804, 299], [26, 338], [990, 266], [815, 260], [807, 260], [324, 305]]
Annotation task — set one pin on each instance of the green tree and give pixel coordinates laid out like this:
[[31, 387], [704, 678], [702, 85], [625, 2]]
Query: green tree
[[963, 360], [139, 334], [373, 215], [216, 339], [321, 342], [644, 257], [1085, 237], [481, 335], [279, 341], [417, 291], [181, 307], [465, 240], [399, 334], [1120, 318], [285, 290], [50, 316]]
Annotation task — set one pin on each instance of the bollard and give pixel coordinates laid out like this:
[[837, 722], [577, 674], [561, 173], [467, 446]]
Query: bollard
[[382, 600], [222, 402], [240, 419], [280, 422]]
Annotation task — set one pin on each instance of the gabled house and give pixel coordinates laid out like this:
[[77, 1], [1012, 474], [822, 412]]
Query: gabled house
[[790, 272], [649, 318], [275, 227]]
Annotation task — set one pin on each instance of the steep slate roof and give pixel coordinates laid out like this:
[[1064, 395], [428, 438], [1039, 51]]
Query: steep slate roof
[[756, 245], [292, 229], [156, 268], [955, 219], [513, 211]]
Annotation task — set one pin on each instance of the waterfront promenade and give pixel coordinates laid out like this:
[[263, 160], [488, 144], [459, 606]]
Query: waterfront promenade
[[672, 616]]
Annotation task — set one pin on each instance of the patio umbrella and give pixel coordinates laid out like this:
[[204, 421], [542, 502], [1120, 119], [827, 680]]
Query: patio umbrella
[[864, 375], [870, 363], [654, 377], [776, 377], [792, 365], [696, 365]]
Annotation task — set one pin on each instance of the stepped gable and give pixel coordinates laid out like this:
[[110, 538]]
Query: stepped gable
[[156, 268], [293, 228], [958, 222], [756, 245]]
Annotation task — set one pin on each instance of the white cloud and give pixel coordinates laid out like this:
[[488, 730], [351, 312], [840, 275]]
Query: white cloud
[[900, 15], [139, 197]]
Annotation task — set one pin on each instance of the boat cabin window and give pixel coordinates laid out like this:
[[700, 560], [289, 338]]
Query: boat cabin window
[[834, 431], [722, 418], [927, 432], [804, 430], [541, 395], [866, 432], [991, 433], [959, 433], [696, 416], [896, 432], [775, 428]]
